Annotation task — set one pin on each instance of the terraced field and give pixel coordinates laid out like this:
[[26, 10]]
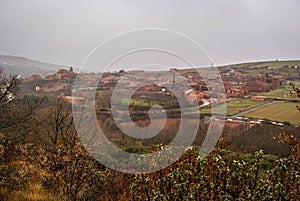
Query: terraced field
[[281, 111], [233, 106]]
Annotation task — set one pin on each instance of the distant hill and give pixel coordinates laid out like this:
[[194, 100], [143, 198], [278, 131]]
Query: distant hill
[[262, 64], [25, 67], [290, 69]]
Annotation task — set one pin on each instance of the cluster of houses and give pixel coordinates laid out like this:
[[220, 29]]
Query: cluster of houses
[[239, 85], [236, 85], [62, 74]]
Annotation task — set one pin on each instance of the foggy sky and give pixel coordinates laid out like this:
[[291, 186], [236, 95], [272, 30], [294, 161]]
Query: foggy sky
[[232, 31]]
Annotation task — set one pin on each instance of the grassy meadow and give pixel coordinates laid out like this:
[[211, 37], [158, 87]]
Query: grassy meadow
[[281, 111], [282, 92], [233, 106]]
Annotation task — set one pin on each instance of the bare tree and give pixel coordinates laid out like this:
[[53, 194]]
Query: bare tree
[[74, 173], [8, 87]]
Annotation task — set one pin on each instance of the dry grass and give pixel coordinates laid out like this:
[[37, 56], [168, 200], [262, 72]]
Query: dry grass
[[34, 192]]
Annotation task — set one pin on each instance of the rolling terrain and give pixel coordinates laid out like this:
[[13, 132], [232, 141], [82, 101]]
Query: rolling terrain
[[26, 67], [288, 69]]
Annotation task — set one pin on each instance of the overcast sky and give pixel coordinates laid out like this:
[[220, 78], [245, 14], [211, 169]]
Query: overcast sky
[[64, 32]]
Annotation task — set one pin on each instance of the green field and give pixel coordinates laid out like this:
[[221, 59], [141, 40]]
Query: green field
[[281, 111], [139, 102], [233, 106], [280, 93]]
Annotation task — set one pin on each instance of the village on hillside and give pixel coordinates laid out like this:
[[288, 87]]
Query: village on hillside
[[236, 85], [249, 97]]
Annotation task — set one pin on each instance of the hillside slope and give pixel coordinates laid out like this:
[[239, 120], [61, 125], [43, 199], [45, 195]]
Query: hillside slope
[[25, 67]]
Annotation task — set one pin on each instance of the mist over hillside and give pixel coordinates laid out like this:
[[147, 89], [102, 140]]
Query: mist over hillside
[[25, 67], [17, 65]]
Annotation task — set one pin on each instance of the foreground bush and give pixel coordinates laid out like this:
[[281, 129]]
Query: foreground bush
[[222, 176]]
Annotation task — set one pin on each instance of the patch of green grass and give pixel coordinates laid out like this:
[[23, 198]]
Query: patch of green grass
[[281, 111], [138, 102], [280, 93], [233, 106]]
